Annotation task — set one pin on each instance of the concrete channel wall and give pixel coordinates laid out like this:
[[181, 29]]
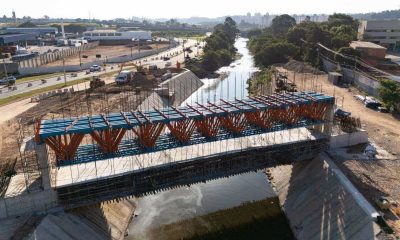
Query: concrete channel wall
[[41, 201], [361, 80], [321, 203]]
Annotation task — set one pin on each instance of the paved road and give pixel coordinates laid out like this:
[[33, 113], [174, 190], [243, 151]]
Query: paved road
[[37, 84]]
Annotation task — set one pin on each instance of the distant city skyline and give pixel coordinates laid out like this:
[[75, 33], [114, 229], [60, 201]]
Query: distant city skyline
[[185, 9]]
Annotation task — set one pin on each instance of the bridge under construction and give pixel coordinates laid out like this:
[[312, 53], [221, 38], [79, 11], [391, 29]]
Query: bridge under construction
[[96, 158]]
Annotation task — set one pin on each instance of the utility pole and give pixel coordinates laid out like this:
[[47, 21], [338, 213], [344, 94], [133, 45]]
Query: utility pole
[[80, 59], [65, 76], [5, 68]]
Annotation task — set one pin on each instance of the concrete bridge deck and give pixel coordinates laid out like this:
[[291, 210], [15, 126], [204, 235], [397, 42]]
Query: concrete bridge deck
[[109, 168], [85, 183]]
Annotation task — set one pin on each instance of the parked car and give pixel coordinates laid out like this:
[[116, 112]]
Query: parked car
[[95, 68], [10, 80], [168, 64]]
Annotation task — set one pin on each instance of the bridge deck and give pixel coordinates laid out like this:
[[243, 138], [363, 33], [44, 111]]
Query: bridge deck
[[109, 168]]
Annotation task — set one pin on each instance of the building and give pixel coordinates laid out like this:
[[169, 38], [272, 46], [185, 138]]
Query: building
[[111, 35], [382, 32], [37, 32], [16, 39], [370, 52]]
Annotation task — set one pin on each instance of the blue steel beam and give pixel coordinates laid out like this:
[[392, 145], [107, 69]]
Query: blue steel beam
[[86, 125]]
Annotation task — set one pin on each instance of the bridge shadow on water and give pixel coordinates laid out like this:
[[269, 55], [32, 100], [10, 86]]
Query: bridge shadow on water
[[317, 204]]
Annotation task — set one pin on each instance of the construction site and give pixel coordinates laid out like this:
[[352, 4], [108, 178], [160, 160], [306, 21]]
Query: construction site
[[78, 160]]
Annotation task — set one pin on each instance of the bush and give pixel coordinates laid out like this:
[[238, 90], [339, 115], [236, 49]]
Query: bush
[[389, 92]]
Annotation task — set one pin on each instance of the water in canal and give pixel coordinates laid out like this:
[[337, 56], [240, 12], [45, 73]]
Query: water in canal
[[169, 207]]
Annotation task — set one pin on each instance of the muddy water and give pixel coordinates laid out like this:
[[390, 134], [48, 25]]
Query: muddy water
[[200, 199]]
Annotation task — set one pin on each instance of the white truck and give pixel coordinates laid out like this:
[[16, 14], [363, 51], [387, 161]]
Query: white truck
[[124, 77]]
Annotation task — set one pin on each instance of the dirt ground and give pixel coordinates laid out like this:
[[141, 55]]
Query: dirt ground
[[104, 51], [373, 178]]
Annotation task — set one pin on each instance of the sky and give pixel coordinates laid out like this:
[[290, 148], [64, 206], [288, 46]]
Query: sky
[[101, 9]]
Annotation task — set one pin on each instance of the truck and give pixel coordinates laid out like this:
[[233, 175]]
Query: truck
[[124, 77]]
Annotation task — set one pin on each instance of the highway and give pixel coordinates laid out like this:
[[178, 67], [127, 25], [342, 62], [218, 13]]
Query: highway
[[37, 84]]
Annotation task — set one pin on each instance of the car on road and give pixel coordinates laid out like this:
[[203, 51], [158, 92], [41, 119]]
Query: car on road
[[168, 64], [95, 68], [10, 80]]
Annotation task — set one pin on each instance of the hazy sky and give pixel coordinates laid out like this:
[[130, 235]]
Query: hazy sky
[[185, 8]]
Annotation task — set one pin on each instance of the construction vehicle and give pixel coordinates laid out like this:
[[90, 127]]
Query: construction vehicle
[[124, 77], [282, 84], [96, 82]]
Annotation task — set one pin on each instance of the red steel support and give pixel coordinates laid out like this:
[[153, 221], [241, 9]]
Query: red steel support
[[65, 146], [148, 134], [109, 139]]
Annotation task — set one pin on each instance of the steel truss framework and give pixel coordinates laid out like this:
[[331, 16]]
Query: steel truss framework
[[191, 124]]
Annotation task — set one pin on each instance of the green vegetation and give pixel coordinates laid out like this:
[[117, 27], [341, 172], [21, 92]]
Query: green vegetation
[[219, 50], [261, 81], [72, 28], [178, 34], [285, 39], [389, 92], [256, 220]]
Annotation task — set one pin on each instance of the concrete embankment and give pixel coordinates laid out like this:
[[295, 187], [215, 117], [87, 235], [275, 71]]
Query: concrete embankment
[[320, 203], [103, 221]]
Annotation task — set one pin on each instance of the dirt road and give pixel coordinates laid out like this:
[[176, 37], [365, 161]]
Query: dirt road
[[383, 128]]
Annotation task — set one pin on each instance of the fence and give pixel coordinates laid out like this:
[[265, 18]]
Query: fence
[[360, 79], [74, 68], [54, 56]]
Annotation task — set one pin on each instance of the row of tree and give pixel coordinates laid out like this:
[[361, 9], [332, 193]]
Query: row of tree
[[285, 39], [219, 50]]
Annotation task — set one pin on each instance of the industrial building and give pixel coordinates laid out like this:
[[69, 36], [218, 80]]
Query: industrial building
[[37, 32], [112, 35], [370, 52], [16, 39], [382, 32]]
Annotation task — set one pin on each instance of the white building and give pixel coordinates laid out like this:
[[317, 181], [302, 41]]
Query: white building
[[117, 35], [382, 32]]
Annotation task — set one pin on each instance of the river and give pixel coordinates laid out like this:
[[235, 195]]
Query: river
[[178, 204]]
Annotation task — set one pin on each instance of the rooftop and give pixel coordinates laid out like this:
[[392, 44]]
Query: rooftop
[[362, 44]]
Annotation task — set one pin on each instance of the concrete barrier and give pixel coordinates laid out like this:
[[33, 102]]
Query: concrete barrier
[[349, 139]]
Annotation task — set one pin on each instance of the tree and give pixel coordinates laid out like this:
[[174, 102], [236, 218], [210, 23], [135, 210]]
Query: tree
[[211, 61], [276, 53], [27, 24], [389, 92], [339, 19], [281, 24], [254, 32]]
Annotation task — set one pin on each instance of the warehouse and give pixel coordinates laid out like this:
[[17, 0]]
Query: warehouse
[[37, 32], [117, 36], [16, 39]]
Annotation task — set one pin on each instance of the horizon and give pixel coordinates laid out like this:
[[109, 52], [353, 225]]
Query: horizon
[[168, 10]]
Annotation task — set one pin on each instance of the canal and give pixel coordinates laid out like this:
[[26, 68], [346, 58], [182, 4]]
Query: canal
[[219, 208]]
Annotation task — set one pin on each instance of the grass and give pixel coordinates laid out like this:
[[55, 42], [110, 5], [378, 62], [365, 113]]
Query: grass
[[32, 93], [38, 77], [255, 220]]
